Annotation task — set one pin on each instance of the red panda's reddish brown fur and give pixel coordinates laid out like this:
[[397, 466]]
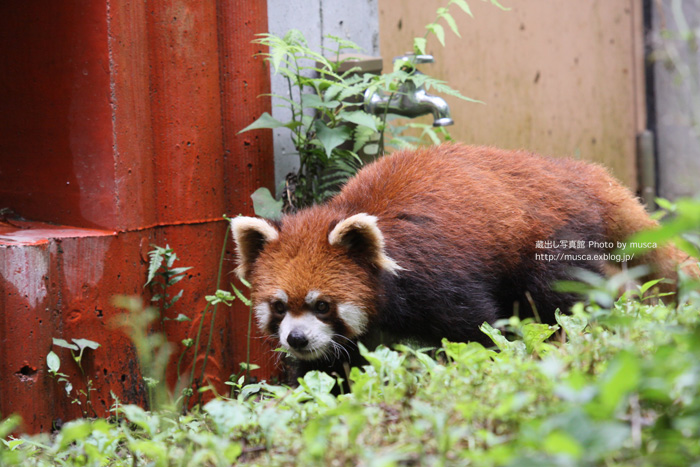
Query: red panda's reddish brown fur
[[433, 242]]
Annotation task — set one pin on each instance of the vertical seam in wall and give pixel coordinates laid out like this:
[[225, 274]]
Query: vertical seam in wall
[[649, 83], [636, 104], [113, 109], [222, 87], [635, 70], [149, 60], [320, 20]]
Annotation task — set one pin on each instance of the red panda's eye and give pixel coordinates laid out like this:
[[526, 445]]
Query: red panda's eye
[[322, 306], [279, 307]]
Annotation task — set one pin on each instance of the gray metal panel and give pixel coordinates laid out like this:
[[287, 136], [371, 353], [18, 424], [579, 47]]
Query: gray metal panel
[[677, 91], [315, 19]]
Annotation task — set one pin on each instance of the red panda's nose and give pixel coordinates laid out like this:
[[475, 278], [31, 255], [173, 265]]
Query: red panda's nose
[[297, 339]]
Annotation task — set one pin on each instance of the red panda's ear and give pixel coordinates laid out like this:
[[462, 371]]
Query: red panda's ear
[[251, 235], [360, 235]]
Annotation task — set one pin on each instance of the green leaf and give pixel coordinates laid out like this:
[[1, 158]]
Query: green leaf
[[441, 87], [139, 417], [177, 271], [84, 343], [499, 339], [496, 3], [277, 55], [77, 430], [439, 32], [463, 5], [170, 256], [535, 334], [451, 23], [317, 382], [621, 377], [264, 121], [313, 101], [13, 444], [572, 324], [331, 138], [175, 279], [53, 362], [249, 366], [65, 344], [240, 296], [468, 353], [227, 417], [419, 44], [647, 285], [560, 442], [665, 204], [172, 301], [265, 205], [359, 117], [420, 355], [152, 449], [9, 425], [361, 136], [180, 318], [154, 264]]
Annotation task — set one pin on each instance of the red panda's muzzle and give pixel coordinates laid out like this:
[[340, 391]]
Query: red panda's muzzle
[[306, 337]]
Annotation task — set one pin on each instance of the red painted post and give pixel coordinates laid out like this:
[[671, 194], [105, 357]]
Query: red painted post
[[56, 143], [127, 125]]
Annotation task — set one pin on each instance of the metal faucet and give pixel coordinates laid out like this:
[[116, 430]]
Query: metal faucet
[[410, 101]]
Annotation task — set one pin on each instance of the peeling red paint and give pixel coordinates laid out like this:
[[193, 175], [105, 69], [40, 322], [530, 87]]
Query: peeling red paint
[[118, 136]]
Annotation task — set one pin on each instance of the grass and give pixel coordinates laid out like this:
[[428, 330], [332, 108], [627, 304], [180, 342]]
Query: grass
[[606, 386], [616, 382]]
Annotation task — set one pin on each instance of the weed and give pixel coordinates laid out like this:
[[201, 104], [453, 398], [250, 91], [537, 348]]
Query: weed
[[162, 276], [81, 397]]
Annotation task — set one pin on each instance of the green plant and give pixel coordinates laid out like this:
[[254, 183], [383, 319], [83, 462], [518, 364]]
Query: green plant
[[621, 389], [681, 226], [242, 377], [152, 348], [324, 114], [162, 276], [80, 397], [328, 127]]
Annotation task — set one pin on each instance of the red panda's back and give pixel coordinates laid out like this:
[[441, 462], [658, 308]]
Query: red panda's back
[[483, 201]]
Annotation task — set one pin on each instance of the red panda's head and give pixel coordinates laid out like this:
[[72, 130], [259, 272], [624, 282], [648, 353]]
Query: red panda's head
[[313, 280]]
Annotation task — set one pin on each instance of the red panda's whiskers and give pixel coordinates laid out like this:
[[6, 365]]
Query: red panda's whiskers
[[350, 341], [338, 348]]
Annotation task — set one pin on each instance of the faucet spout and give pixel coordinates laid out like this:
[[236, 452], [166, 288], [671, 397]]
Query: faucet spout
[[437, 106], [410, 100]]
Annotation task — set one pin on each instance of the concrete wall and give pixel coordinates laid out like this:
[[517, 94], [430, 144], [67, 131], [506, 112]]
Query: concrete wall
[[316, 19], [677, 99]]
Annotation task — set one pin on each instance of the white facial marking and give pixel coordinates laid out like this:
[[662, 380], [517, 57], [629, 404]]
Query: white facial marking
[[262, 315], [312, 296], [281, 296], [318, 333], [263, 312], [354, 318]]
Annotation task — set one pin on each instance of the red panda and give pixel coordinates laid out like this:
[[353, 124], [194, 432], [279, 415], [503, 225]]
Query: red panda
[[431, 243]]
